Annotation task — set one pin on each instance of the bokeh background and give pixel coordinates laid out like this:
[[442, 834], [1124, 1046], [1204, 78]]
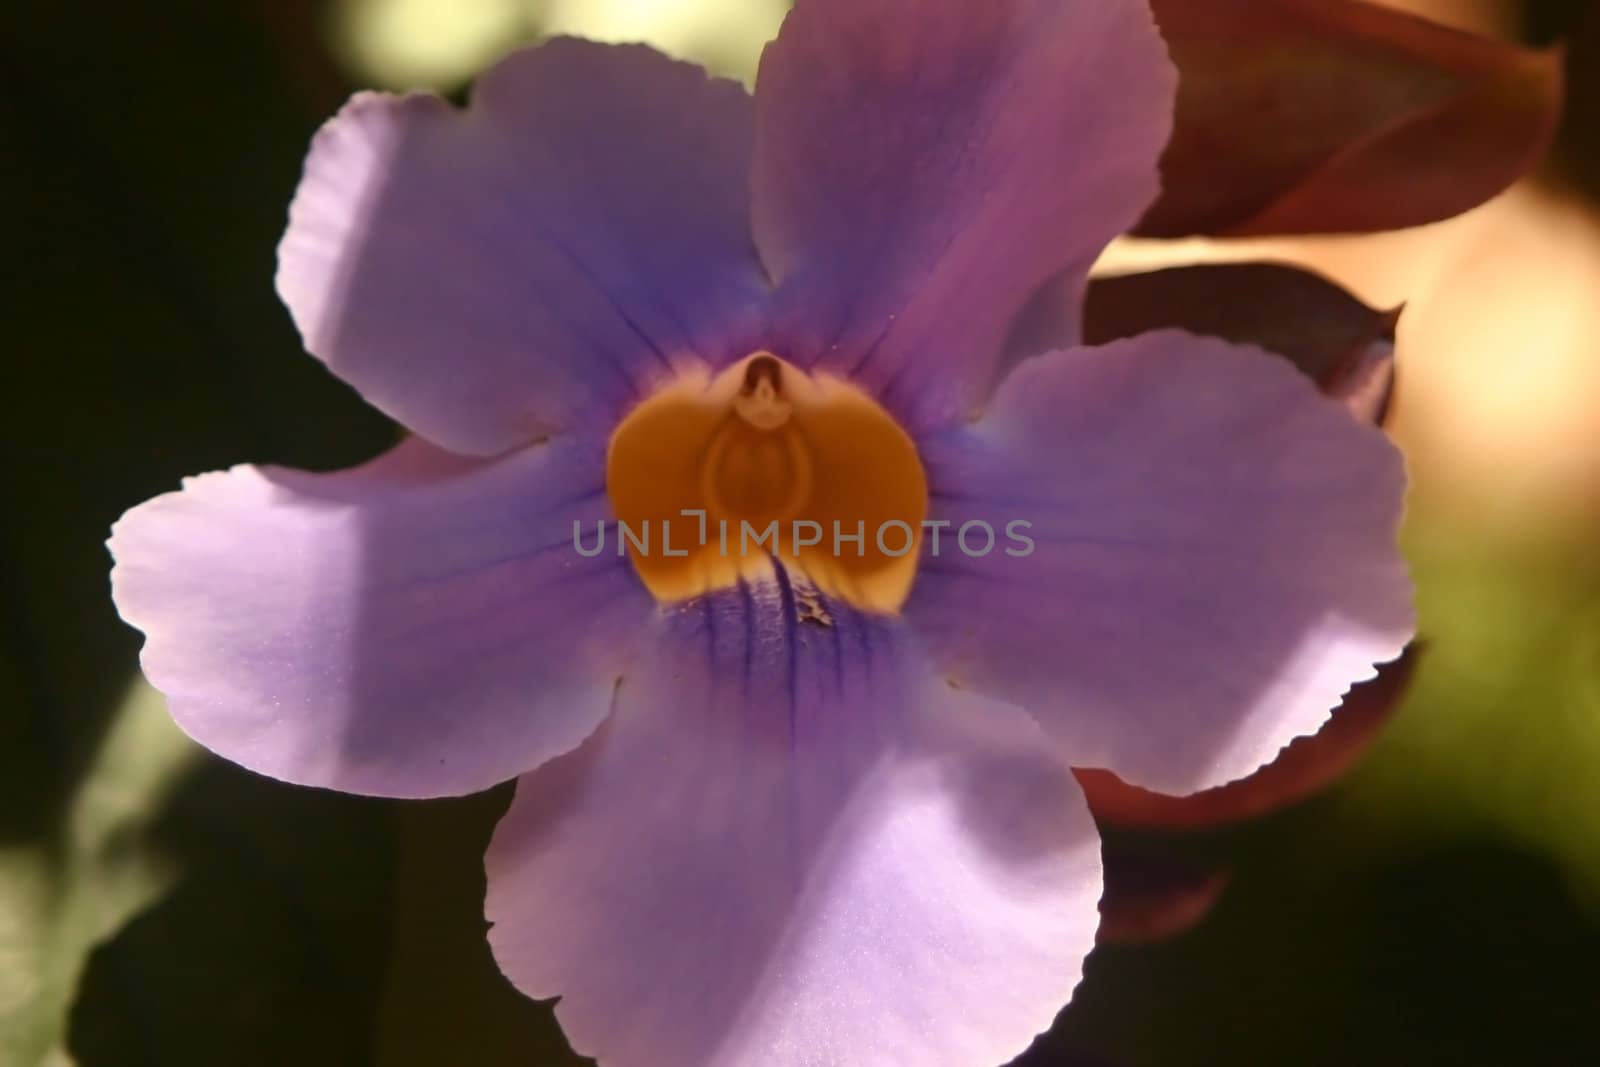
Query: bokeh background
[[159, 908]]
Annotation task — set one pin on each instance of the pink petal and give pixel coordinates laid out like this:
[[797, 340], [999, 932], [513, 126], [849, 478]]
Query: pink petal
[[1304, 116], [789, 846], [921, 168], [1304, 767], [419, 626], [1215, 558], [536, 261]]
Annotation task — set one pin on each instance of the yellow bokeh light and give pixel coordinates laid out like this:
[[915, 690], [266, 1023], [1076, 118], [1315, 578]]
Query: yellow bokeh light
[[444, 44], [725, 35], [436, 44]]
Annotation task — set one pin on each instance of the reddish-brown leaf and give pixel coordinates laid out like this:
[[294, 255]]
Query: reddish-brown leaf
[[1335, 339], [1151, 898], [1330, 116]]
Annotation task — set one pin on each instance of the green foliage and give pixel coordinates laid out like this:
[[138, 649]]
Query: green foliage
[[63, 893]]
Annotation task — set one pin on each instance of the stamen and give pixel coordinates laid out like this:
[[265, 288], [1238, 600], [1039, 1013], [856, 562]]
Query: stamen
[[761, 402]]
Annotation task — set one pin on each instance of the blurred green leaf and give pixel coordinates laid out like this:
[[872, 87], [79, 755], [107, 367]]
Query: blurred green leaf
[[271, 948], [1501, 736], [61, 895]]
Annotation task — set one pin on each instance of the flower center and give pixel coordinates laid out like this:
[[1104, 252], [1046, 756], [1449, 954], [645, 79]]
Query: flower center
[[713, 478]]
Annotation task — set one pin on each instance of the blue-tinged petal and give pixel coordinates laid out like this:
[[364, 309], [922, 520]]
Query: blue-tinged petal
[[921, 168], [492, 275], [790, 846], [419, 626], [1213, 557]]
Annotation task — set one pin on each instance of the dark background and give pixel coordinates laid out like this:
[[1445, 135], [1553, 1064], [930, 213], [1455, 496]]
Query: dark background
[[149, 152]]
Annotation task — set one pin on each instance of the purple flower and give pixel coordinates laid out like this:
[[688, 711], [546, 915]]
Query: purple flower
[[811, 808]]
